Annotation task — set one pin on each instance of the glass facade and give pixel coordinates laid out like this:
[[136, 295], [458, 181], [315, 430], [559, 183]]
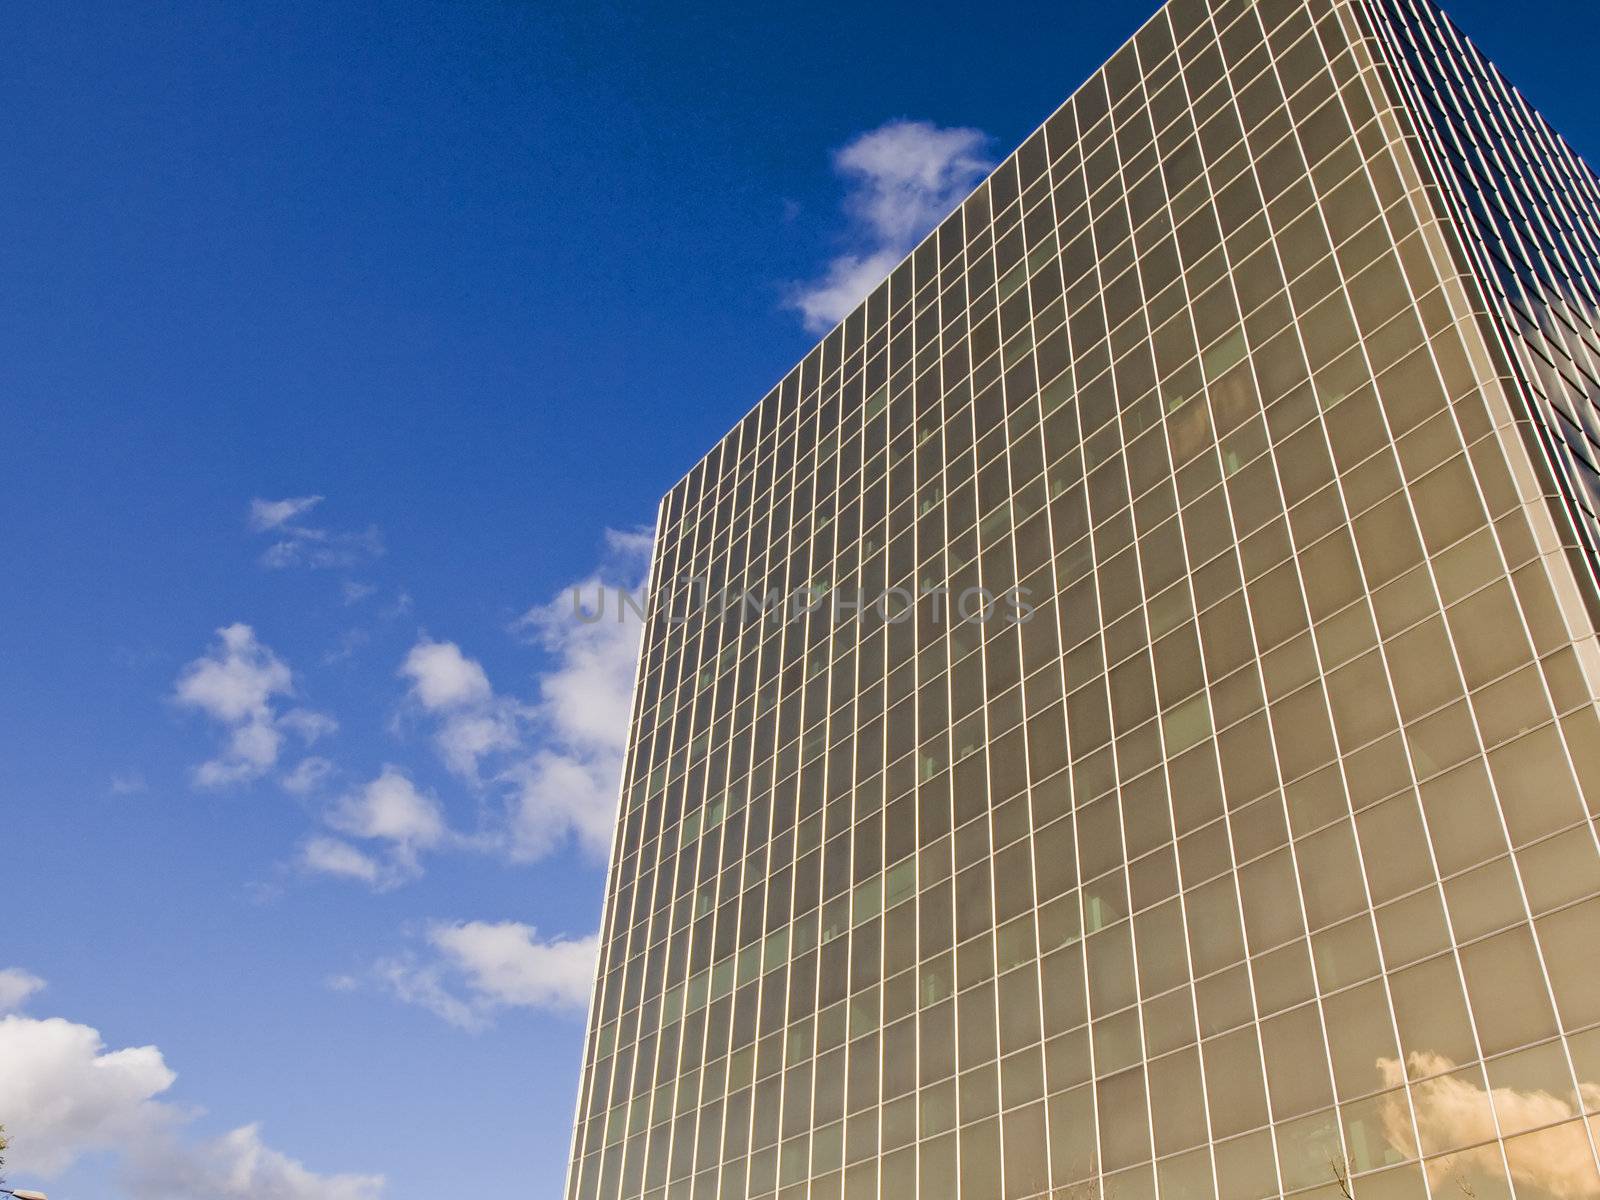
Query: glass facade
[[1240, 839], [1530, 211]]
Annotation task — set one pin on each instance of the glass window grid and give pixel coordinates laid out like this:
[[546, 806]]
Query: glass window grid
[[980, 935], [1531, 220]]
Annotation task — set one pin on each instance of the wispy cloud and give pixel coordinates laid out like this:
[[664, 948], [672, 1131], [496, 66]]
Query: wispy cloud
[[476, 969], [902, 178], [545, 770], [391, 808], [239, 683], [471, 720], [239, 1165], [571, 781], [300, 544], [67, 1096], [556, 761], [267, 515], [309, 774], [389, 822], [322, 855], [16, 987], [355, 596], [127, 783]]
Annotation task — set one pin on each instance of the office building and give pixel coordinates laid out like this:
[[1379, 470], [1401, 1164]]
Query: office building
[[1119, 718]]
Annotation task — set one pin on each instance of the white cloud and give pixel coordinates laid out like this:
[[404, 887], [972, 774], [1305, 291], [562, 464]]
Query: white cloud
[[308, 775], [390, 808], [127, 783], [66, 1095], [848, 280], [473, 721], [275, 514], [466, 738], [560, 793], [480, 968], [16, 986], [397, 820], [331, 856], [442, 677], [301, 545], [587, 696], [320, 548], [903, 178], [237, 684], [507, 966], [630, 544], [309, 725], [239, 1166], [423, 986], [547, 772], [570, 781], [908, 175]]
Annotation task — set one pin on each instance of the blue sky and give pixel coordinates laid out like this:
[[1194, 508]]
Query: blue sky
[[334, 340]]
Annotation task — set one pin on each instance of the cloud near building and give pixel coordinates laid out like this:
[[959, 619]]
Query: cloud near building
[[902, 178], [66, 1095]]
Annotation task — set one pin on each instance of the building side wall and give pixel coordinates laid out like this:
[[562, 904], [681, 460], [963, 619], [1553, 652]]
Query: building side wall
[[1527, 210]]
